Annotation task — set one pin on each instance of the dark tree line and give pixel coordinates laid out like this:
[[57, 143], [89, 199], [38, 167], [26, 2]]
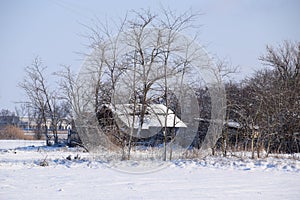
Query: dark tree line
[[263, 111]]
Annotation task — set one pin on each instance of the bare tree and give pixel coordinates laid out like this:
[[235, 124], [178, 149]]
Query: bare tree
[[154, 57], [69, 89], [41, 98]]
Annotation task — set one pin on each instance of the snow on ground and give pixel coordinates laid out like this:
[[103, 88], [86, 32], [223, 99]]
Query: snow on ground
[[85, 176]]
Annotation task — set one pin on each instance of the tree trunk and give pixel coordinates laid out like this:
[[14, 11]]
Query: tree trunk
[[252, 145]]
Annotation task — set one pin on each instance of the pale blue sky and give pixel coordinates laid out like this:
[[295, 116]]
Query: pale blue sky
[[235, 30]]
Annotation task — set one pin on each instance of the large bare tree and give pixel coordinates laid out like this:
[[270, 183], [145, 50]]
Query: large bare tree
[[141, 56]]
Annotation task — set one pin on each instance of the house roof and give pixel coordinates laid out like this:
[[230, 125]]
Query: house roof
[[156, 115]]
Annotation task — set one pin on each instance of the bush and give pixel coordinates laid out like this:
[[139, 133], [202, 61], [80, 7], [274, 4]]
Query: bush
[[11, 132]]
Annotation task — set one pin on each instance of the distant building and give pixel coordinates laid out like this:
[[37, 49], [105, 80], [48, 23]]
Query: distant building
[[29, 125], [8, 120]]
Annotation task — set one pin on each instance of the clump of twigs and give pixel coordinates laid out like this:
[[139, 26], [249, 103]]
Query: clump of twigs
[[44, 162]]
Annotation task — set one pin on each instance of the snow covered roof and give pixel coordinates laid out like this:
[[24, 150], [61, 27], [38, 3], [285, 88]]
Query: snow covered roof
[[156, 115]]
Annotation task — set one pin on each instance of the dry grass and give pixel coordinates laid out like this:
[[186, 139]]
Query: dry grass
[[11, 132]]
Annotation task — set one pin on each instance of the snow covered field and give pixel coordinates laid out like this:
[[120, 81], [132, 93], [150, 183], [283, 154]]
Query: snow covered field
[[84, 176]]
